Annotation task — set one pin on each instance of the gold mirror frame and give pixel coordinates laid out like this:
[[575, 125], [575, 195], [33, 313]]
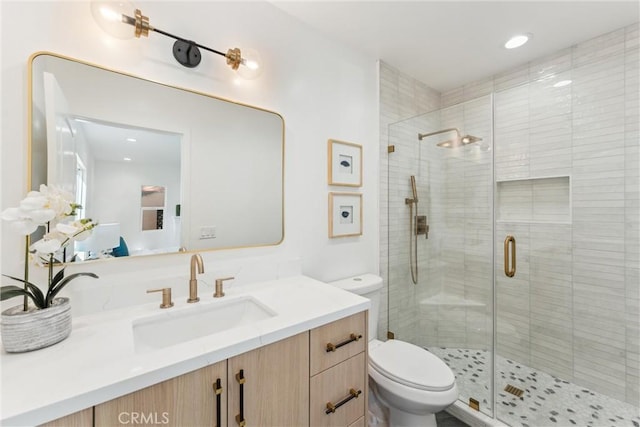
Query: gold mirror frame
[[30, 134]]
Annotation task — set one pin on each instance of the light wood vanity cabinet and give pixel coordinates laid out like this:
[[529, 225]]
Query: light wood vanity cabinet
[[287, 383], [276, 384], [275, 392], [187, 400], [338, 361]]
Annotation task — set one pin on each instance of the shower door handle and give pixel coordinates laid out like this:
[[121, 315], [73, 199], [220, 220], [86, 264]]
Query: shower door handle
[[510, 267]]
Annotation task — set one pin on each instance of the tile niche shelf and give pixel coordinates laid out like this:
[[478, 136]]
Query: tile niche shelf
[[535, 200]]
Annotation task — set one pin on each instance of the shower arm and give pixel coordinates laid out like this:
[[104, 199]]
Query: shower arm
[[421, 136]]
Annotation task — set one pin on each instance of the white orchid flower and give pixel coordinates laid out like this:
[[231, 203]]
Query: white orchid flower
[[39, 208], [24, 227], [26, 222], [46, 246], [68, 229], [59, 200], [42, 216], [34, 200], [85, 227]]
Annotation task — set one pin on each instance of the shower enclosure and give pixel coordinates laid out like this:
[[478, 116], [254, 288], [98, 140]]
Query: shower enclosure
[[512, 291]]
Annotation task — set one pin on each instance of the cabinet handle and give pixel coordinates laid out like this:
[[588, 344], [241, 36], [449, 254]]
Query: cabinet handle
[[217, 389], [333, 347], [353, 394], [510, 241], [241, 380]]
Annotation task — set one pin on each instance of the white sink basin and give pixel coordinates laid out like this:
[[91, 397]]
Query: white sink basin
[[174, 327]]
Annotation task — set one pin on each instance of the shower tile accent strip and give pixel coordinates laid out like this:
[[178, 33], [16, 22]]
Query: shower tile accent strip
[[547, 400]]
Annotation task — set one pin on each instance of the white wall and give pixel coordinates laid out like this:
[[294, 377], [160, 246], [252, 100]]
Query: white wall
[[116, 198], [322, 89]]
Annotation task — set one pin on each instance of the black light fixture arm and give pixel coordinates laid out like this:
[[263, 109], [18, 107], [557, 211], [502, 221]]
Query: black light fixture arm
[[186, 52]]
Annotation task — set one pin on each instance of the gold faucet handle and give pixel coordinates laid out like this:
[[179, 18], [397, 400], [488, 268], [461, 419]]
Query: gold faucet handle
[[166, 296], [219, 293]]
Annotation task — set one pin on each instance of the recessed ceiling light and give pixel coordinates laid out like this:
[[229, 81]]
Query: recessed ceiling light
[[127, 159], [131, 139], [517, 41], [562, 83]]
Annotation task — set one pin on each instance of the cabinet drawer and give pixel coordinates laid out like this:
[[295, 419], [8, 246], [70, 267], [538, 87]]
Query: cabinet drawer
[[339, 334], [333, 386]]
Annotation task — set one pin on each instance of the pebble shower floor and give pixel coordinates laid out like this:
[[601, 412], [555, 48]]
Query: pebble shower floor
[[546, 401]]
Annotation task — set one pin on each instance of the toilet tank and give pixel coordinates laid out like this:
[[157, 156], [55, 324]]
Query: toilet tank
[[368, 286]]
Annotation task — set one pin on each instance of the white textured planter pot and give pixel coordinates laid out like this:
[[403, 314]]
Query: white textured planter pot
[[34, 329]]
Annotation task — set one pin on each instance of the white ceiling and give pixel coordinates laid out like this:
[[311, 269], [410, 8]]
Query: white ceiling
[[446, 44], [108, 142]]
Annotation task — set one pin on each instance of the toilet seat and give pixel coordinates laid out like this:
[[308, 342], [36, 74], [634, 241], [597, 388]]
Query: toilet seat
[[411, 366]]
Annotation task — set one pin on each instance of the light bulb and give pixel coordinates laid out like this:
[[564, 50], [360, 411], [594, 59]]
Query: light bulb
[[115, 17], [250, 64], [517, 41]]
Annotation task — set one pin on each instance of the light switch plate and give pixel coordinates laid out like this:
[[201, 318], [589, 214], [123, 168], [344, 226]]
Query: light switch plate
[[208, 232]]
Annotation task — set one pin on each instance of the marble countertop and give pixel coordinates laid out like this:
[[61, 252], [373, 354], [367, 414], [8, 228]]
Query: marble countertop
[[99, 361]]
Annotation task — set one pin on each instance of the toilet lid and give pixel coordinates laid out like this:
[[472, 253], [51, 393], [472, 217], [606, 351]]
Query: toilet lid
[[411, 365]]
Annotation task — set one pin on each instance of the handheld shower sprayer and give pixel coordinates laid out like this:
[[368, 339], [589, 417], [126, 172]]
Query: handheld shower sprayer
[[413, 189]]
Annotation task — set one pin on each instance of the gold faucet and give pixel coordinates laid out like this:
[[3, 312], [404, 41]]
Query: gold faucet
[[196, 259]]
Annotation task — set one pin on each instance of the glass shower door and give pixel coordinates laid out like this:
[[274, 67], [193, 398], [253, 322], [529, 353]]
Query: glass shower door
[[449, 308]]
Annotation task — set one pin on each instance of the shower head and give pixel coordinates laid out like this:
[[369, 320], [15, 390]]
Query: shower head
[[457, 141]]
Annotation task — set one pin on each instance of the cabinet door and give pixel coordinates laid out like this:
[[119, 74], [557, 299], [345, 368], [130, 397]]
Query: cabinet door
[[187, 400], [82, 418], [275, 391]]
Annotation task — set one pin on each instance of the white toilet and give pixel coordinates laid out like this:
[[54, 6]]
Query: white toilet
[[410, 381]]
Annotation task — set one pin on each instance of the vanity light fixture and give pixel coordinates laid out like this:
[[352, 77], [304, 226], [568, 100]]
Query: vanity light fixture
[[117, 17], [517, 41]]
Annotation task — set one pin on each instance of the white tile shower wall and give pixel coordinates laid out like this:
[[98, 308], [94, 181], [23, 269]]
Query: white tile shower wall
[[401, 97], [572, 309], [632, 212]]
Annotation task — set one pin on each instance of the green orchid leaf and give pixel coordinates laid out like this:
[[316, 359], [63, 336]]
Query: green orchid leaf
[[10, 291], [59, 276], [34, 292], [37, 296], [53, 290], [17, 279]]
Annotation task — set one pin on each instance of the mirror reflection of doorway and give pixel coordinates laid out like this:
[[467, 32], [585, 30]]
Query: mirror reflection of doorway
[[152, 201]]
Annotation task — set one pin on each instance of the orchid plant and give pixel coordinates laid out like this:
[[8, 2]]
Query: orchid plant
[[51, 208]]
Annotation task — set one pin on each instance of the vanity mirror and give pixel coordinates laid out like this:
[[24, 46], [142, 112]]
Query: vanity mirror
[[108, 137]]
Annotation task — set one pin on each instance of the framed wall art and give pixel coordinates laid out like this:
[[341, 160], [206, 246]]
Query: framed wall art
[[345, 163], [345, 214]]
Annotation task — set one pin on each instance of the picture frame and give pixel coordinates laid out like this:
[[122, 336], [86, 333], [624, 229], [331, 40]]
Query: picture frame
[[345, 214], [344, 163]]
